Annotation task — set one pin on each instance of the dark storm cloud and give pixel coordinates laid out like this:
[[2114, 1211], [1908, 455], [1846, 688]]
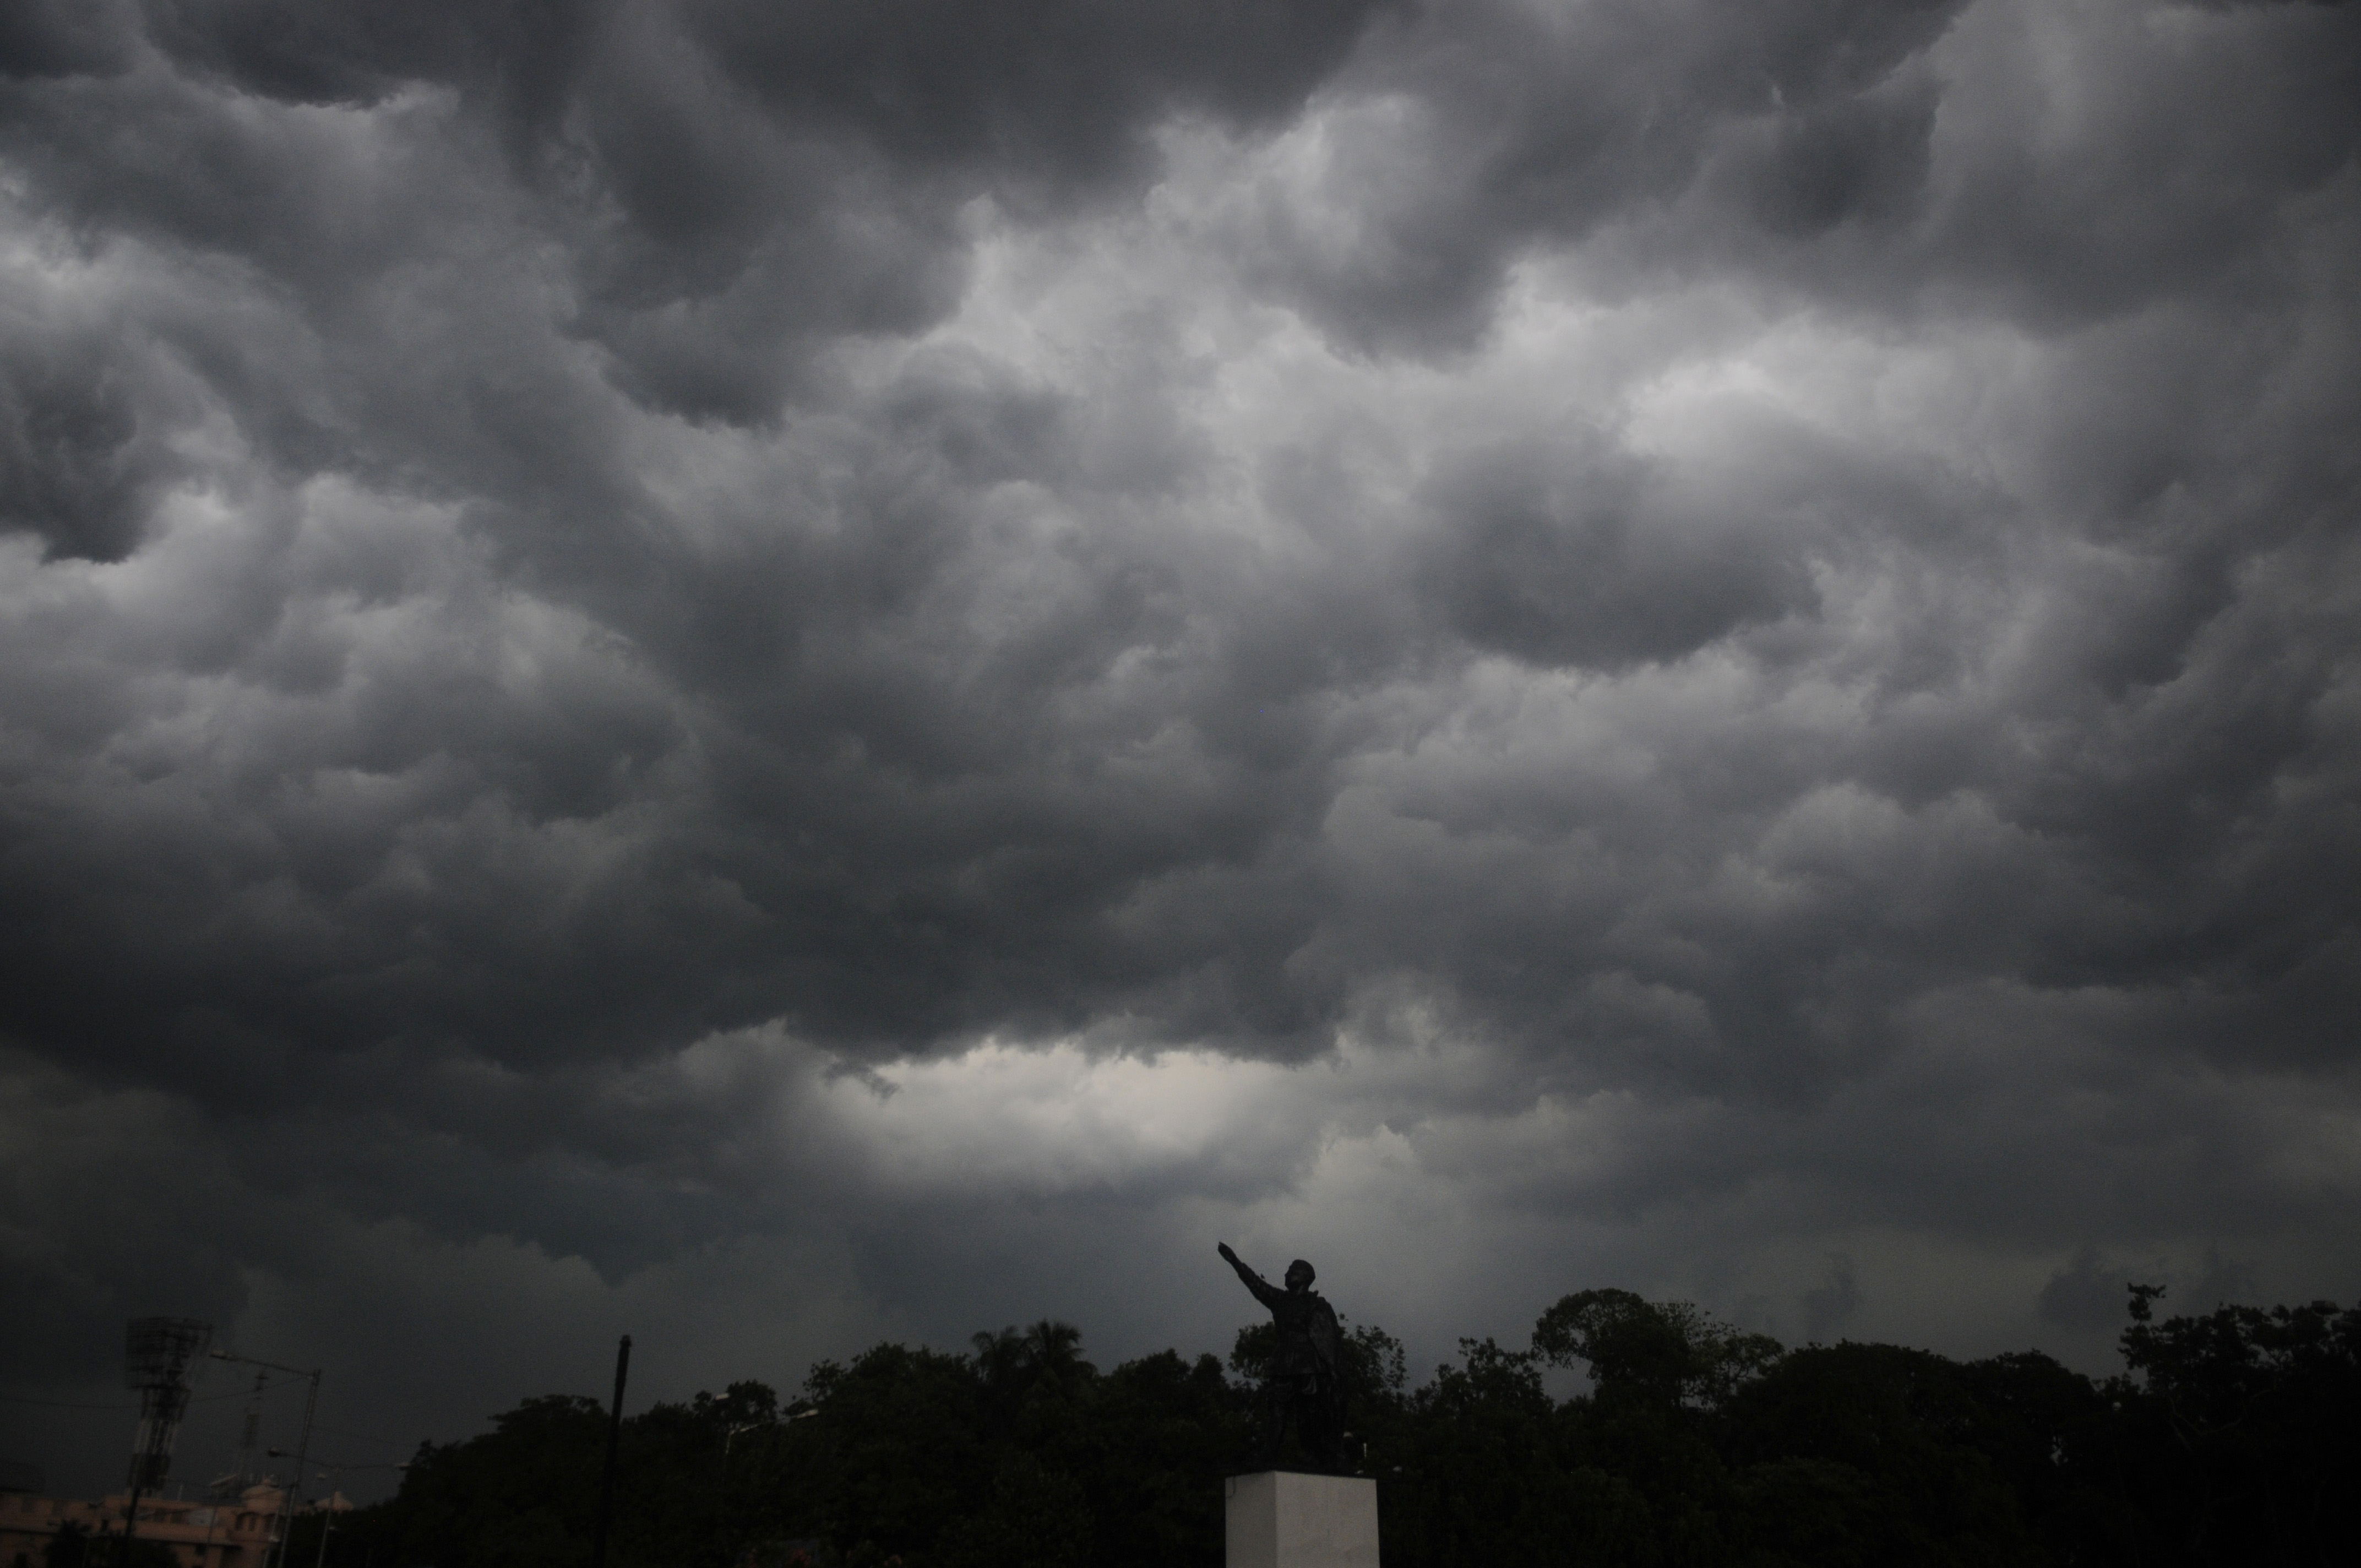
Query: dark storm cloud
[[76, 466], [63, 38], [966, 880], [1475, 131], [645, 647], [746, 178], [361, 51], [1583, 566], [1805, 143]]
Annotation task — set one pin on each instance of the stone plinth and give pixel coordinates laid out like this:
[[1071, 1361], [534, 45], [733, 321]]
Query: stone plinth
[[1278, 1519]]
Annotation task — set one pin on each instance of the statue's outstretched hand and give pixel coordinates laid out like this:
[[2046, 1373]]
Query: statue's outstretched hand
[[1223, 1248]]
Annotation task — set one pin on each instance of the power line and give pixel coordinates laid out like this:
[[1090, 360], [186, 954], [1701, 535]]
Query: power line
[[364, 1436], [73, 1404]]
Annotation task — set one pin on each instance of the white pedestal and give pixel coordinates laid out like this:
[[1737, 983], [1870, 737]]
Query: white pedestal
[[1277, 1518]]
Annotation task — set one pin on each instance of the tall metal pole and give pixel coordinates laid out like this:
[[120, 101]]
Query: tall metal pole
[[614, 1440], [249, 1444], [277, 1556], [335, 1474], [130, 1522], [328, 1518]]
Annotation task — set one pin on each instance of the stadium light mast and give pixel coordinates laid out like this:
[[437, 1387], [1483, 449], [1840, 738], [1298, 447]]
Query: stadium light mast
[[156, 1356]]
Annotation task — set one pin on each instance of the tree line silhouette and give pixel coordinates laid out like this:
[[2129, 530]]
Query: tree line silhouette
[[2229, 1438]]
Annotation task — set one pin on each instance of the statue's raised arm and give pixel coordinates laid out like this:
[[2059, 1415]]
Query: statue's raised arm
[[1264, 1291]]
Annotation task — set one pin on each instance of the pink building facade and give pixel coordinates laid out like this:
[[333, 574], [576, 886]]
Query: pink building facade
[[201, 1534]]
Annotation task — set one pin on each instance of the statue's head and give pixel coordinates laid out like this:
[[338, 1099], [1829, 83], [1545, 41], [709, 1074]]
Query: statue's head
[[1299, 1276]]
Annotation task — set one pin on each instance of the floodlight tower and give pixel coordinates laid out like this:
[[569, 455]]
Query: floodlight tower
[[156, 1353]]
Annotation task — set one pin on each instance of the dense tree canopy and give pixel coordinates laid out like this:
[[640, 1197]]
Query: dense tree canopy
[[2228, 1440]]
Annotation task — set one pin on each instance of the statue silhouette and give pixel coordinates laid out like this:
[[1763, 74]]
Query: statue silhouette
[[1303, 1380]]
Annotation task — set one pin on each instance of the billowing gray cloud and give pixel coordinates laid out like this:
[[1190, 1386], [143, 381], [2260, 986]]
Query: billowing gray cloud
[[778, 676]]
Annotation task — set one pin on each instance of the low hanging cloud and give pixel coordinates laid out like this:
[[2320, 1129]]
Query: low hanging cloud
[[777, 678]]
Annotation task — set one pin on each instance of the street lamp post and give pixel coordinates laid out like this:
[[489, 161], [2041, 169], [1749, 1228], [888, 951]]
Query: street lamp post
[[276, 1556], [729, 1436], [721, 1489], [328, 1508]]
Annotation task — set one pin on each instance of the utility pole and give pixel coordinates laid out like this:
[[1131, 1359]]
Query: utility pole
[[303, 1450], [276, 1557], [614, 1440], [249, 1443], [328, 1518]]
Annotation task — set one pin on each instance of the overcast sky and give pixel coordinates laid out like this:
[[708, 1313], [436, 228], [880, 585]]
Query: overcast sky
[[778, 675]]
